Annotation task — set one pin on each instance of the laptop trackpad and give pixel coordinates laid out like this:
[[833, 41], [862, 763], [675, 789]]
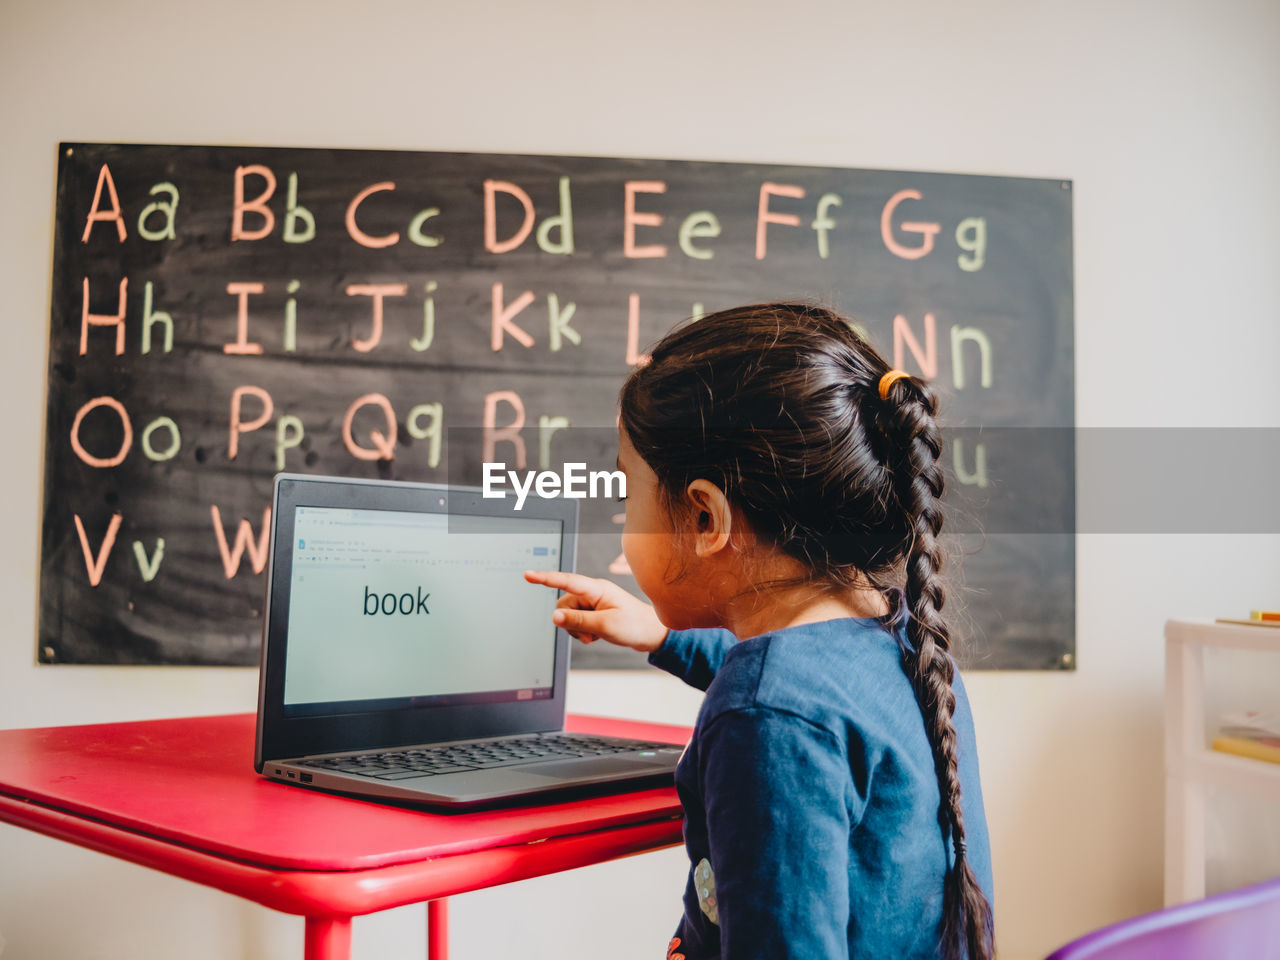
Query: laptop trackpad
[[591, 767]]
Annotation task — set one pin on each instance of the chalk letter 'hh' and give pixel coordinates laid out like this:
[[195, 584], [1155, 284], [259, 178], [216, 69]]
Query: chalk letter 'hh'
[[766, 216], [377, 291], [502, 318], [927, 231], [384, 444], [242, 344], [125, 443], [257, 205], [237, 425], [244, 541], [94, 564], [169, 208], [116, 319], [104, 176], [358, 235], [926, 358], [491, 188], [511, 432], [631, 219]]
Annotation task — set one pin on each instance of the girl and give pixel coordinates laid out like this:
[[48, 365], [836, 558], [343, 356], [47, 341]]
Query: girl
[[783, 511]]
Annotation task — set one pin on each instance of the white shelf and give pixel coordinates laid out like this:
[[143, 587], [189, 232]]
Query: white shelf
[[1189, 765]]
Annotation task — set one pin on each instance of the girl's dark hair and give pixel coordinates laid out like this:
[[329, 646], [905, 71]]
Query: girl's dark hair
[[778, 404]]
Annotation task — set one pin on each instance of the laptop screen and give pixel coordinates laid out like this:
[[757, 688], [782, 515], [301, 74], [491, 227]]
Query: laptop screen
[[391, 609]]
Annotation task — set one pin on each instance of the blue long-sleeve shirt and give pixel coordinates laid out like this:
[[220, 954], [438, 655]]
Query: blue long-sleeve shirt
[[810, 797]]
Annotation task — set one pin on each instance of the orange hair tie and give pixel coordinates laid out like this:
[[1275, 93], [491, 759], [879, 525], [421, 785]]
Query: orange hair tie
[[888, 380]]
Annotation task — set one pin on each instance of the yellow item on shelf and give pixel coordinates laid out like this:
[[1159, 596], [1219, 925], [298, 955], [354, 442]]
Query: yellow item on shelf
[[1242, 747]]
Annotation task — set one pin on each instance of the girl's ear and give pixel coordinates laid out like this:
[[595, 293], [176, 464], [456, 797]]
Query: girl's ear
[[714, 518]]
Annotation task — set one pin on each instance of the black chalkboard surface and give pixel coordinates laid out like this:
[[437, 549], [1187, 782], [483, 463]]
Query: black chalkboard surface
[[221, 313]]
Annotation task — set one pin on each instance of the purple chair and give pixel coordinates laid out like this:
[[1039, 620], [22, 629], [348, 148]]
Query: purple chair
[[1242, 924]]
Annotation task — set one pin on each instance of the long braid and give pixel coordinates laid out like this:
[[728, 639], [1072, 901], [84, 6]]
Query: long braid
[[910, 411]]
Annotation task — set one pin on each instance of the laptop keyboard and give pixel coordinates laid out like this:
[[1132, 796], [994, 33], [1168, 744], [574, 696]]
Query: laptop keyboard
[[455, 758]]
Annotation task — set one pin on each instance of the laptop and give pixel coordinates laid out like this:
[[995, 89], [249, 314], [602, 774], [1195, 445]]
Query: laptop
[[406, 658]]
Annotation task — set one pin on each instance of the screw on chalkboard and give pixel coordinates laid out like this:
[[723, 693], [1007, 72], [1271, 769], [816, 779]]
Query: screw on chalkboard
[[69, 152], [1066, 185], [48, 651], [1067, 661]]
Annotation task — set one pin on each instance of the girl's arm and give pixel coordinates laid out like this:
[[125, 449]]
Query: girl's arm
[[780, 804], [694, 655]]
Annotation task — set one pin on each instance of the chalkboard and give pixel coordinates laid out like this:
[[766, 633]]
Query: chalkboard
[[220, 313]]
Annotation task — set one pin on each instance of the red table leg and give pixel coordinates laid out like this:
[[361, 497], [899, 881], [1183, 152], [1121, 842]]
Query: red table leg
[[328, 938], [438, 929]]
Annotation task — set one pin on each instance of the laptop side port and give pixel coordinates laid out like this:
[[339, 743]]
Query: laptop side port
[[306, 777]]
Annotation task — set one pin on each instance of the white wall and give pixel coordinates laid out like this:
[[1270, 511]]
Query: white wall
[[1165, 116]]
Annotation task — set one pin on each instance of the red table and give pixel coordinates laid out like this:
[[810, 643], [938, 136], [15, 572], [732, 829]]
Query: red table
[[181, 796]]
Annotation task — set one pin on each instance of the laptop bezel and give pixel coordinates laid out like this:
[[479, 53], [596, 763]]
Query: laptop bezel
[[281, 737]]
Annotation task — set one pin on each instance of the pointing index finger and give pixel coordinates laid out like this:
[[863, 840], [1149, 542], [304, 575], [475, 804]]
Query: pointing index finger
[[575, 583]]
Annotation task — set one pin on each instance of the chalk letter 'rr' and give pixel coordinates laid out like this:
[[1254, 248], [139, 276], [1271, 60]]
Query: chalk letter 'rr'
[[511, 432]]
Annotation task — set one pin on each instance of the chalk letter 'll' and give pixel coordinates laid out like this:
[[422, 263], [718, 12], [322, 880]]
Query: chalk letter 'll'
[[95, 564], [634, 357], [377, 291], [502, 318], [510, 433], [766, 216], [244, 541], [358, 235], [926, 230], [237, 425], [491, 188], [116, 319], [926, 358], [258, 205], [631, 219], [104, 176]]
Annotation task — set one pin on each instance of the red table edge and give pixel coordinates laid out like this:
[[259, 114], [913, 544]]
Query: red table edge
[[348, 893]]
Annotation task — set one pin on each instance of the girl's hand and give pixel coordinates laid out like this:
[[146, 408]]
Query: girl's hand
[[593, 609]]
